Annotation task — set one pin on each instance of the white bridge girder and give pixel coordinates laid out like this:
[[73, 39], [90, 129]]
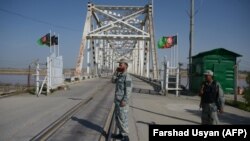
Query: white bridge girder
[[115, 32]]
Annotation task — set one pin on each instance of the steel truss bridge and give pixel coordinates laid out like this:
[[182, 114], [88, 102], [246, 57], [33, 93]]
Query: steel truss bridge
[[114, 32]]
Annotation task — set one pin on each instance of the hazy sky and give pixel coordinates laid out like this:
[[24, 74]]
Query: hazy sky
[[218, 24]]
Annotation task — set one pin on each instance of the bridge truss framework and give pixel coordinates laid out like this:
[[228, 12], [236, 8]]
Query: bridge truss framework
[[114, 32]]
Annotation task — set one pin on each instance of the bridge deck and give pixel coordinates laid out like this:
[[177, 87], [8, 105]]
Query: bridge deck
[[24, 116], [148, 109]]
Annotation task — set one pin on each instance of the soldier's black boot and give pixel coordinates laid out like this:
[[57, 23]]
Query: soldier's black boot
[[125, 138], [117, 136]]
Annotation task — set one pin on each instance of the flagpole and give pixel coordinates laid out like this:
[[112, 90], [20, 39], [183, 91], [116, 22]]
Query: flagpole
[[174, 55], [58, 45], [54, 46], [49, 65], [178, 69], [174, 59], [177, 48], [50, 41], [191, 39], [171, 63], [170, 58]]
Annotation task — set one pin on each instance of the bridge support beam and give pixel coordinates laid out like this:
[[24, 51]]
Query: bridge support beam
[[119, 32]]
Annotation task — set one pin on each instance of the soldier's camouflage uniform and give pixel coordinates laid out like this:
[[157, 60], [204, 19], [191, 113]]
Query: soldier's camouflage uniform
[[122, 92], [212, 100]]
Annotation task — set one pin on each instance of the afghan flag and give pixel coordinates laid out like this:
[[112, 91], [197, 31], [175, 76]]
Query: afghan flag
[[167, 42], [54, 40], [45, 40]]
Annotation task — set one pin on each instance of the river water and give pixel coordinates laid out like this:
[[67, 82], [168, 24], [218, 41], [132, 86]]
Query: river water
[[17, 79]]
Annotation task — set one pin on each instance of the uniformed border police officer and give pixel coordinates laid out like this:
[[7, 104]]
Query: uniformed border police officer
[[212, 99], [122, 93]]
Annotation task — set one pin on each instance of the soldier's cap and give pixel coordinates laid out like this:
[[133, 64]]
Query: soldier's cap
[[209, 72], [123, 61]]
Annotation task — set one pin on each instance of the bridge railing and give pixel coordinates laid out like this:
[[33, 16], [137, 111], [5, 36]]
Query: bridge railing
[[156, 83]]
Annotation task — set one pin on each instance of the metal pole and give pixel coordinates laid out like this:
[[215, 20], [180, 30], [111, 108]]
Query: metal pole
[[97, 59], [113, 63], [110, 58], [92, 44], [191, 39], [104, 55], [141, 58], [107, 56], [236, 80], [86, 30], [50, 50], [134, 61], [174, 56], [142, 48], [93, 65], [88, 57], [167, 76], [37, 78], [148, 59], [54, 46], [101, 55], [152, 43], [177, 81], [138, 58], [48, 74], [164, 75], [177, 51], [51, 72], [171, 60], [58, 45], [178, 67]]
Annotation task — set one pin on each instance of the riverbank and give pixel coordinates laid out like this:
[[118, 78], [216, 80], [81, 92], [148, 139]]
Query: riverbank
[[10, 89], [13, 71]]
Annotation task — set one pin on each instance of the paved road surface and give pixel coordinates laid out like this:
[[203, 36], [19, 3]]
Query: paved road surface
[[148, 108], [24, 116]]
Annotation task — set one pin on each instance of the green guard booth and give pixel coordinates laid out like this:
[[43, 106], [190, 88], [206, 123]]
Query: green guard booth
[[221, 62]]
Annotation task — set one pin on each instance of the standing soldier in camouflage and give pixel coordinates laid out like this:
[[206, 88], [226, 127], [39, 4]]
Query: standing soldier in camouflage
[[212, 99], [122, 93]]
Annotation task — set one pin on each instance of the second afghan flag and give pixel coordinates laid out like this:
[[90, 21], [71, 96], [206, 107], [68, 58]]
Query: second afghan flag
[[167, 42]]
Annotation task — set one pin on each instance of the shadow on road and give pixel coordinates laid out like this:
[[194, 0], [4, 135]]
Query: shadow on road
[[169, 116], [145, 91], [234, 119], [147, 123], [226, 117], [88, 124], [72, 98]]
